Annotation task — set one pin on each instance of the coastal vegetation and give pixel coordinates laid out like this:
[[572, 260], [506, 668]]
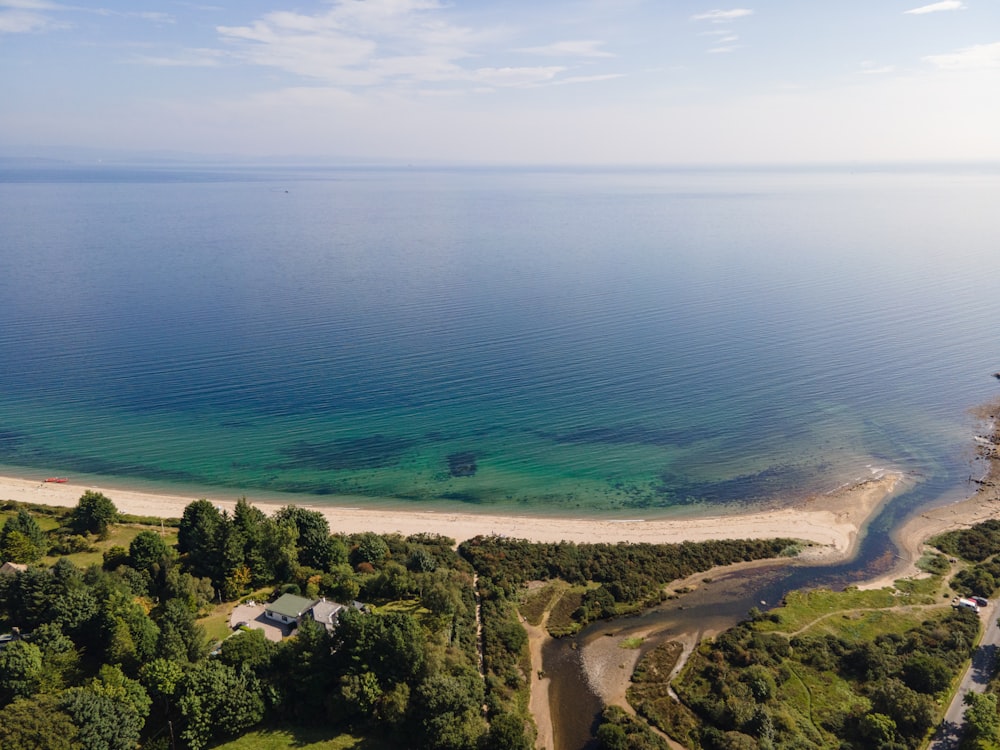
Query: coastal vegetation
[[119, 637], [854, 668], [979, 549], [755, 686], [604, 580], [122, 627], [111, 647]]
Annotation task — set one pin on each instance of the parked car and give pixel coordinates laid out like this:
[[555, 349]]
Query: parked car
[[979, 600]]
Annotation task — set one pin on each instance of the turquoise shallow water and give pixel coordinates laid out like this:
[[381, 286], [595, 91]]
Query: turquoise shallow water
[[553, 341]]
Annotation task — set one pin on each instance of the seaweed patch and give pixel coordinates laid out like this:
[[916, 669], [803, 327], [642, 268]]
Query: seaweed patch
[[760, 485], [462, 464], [369, 452]]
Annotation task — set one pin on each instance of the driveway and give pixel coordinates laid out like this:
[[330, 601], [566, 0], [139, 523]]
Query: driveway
[[252, 615]]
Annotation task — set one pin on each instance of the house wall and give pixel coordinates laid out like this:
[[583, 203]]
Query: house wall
[[278, 618]]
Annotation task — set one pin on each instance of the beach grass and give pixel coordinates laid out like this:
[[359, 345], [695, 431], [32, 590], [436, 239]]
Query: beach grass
[[45, 522], [803, 608], [301, 738], [405, 606], [537, 601], [119, 535], [561, 621]]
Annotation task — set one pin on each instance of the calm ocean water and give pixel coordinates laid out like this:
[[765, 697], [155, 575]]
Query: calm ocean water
[[552, 341]]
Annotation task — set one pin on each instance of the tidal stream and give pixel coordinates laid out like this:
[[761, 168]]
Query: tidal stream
[[715, 607]]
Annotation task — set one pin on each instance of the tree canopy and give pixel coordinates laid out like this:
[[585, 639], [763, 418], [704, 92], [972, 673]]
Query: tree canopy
[[94, 513]]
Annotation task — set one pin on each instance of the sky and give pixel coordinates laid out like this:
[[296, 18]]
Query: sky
[[602, 82]]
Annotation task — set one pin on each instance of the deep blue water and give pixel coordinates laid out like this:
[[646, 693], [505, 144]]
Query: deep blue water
[[559, 341]]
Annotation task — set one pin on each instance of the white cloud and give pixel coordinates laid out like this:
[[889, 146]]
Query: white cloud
[[976, 57], [356, 44], [869, 68], [193, 58], [587, 79], [153, 16], [517, 77], [30, 5], [398, 44], [726, 41], [722, 16], [27, 16], [936, 7], [26, 22], [574, 48]]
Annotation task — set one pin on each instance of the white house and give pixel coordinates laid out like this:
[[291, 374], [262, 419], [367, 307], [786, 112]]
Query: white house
[[289, 608]]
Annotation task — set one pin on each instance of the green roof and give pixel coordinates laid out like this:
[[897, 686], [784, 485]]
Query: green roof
[[290, 605]]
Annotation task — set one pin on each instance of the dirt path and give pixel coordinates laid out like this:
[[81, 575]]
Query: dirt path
[[539, 706]]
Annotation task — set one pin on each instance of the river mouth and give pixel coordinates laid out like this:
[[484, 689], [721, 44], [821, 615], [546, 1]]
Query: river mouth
[[718, 600]]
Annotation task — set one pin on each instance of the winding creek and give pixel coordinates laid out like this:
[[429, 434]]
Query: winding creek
[[712, 607]]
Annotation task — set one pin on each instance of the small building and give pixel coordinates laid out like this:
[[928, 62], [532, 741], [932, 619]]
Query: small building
[[289, 608], [327, 613], [12, 568]]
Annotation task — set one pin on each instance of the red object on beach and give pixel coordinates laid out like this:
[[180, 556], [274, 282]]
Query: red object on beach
[[57, 480]]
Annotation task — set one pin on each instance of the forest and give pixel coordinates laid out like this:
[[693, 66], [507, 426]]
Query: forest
[[115, 639]]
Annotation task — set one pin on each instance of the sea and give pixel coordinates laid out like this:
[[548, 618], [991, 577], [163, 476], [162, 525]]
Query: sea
[[596, 342]]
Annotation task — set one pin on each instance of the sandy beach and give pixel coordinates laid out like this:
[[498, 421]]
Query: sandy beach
[[830, 522]]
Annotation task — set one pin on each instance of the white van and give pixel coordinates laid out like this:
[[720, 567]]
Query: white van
[[965, 604]]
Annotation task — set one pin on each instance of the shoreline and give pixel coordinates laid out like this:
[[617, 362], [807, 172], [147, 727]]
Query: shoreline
[[832, 523], [983, 504]]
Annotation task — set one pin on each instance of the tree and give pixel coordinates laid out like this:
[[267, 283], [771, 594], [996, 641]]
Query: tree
[[360, 693], [148, 549], [449, 707], [113, 683], [913, 712], [181, 637], [394, 704], [37, 724], [196, 537], [22, 540], [252, 527], [30, 597], [102, 722], [129, 637], [508, 732], [218, 700], [926, 674], [879, 729], [194, 592], [94, 513], [371, 548], [162, 678], [391, 645], [60, 658], [20, 670], [249, 647], [612, 737], [316, 549], [981, 716]]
